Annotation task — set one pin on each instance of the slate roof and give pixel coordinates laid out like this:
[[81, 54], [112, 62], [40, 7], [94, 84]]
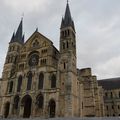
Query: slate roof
[[18, 37], [67, 20], [108, 84]]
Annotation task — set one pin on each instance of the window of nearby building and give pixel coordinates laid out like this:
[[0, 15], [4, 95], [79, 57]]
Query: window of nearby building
[[118, 107], [41, 81]]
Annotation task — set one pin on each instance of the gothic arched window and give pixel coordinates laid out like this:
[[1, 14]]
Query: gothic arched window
[[111, 95], [40, 101], [10, 86], [119, 94], [63, 45], [52, 108], [68, 32], [15, 59], [106, 95], [16, 102], [53, 81], [41, 81], [29, 82], [62, 33], [65, 33], [67, 44], [64, 65], [19, 83]]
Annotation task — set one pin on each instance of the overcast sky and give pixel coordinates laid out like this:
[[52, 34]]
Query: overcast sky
[[97, 24]]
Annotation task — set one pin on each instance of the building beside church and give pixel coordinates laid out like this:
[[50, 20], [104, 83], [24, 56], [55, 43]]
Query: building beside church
[[111, 96], [38, 80]]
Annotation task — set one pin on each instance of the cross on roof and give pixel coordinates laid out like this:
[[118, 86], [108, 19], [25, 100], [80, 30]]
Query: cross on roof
[[67, 1]]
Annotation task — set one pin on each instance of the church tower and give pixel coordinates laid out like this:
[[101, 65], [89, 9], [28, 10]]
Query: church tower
[[67, 33], [10, 70], [10, 66], [67, 65]]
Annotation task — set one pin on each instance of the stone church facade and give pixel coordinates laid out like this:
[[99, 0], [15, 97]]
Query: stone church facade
[[40, 81]]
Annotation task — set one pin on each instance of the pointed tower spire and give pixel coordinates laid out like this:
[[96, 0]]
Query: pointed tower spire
[[13, 38], [18, 35], [67, 13], [67, 33], [67, 1], [67, 20], [23, 37]]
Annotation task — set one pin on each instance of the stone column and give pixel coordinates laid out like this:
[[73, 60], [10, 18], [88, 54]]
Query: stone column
[[68, 104], [2, 107], [58, 93], [33, 108], [21, 111], [57, 111], [10, 110], [45, 111]]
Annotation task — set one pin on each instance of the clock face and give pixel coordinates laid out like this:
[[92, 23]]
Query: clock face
[[33, 60]]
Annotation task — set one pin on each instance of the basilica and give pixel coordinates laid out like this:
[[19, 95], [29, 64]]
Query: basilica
[[38, 80]]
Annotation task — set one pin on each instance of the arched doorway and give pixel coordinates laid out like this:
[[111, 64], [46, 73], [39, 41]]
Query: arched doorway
[[7, 107], [27, 101], [16, 102], [52, 107], [39, 105], [40, 101]]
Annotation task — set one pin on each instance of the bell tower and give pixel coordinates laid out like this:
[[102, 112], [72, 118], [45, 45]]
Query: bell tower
[[67, 65], [10, 66], [67, 33]]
